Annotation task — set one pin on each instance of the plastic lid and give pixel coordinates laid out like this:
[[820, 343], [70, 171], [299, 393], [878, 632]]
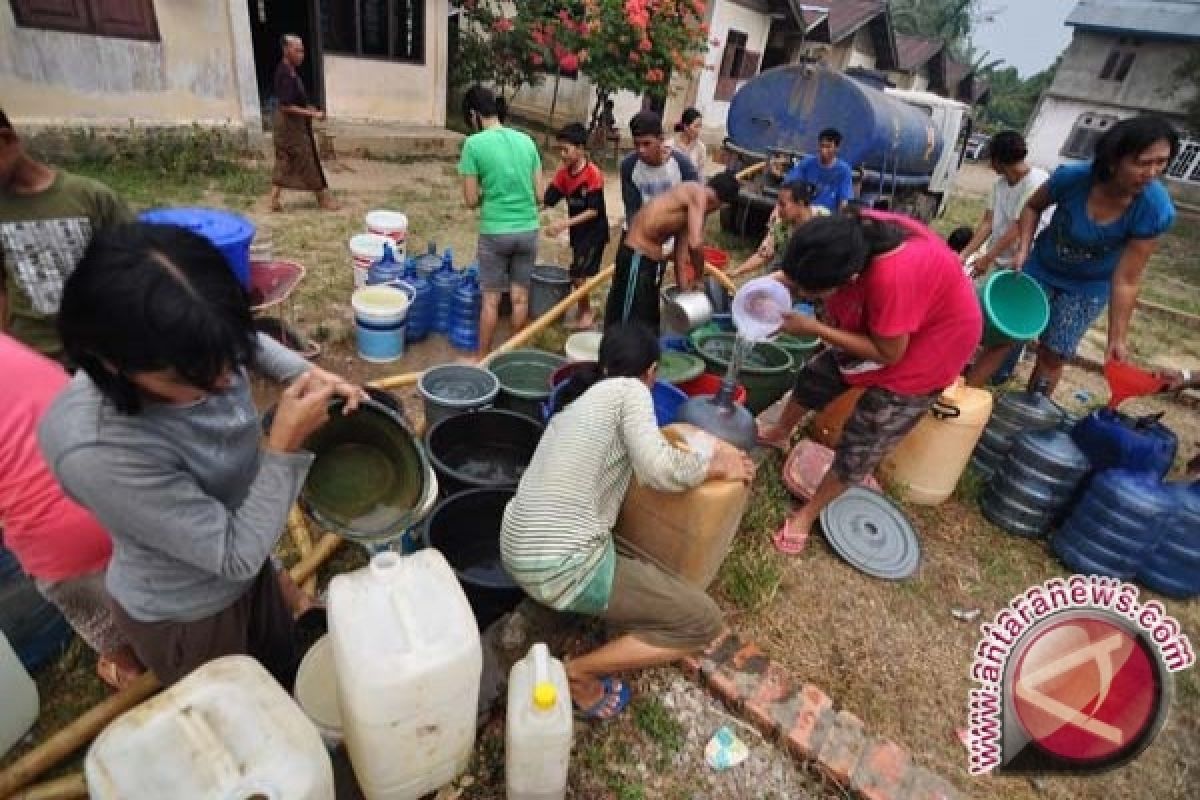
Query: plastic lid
[[545, 696], [219, 227]]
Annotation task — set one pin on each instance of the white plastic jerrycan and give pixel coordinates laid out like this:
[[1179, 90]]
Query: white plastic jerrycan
[[227, 731], [18, 697], [407, 658], [537, 741]]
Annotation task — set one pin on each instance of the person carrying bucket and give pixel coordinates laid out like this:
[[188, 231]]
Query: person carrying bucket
[[903, 323], [581, 183], [1109, 214], [557, 536], [158, 436]]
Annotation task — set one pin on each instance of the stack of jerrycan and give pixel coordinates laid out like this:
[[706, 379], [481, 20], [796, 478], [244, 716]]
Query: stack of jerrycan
[[1036, 482], [420, 310], [1112, 440], [1116, 522], [1013, 413], [407, 657], [464, 317], [226, 730], [444, 281], [1173, 566]]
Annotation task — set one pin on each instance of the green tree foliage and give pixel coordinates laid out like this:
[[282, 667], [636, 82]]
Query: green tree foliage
[[1013, 99]]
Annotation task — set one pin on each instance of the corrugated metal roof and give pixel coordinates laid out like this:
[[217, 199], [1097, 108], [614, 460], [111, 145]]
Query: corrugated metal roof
[[912, 52], [1168, 18], [844, 17]]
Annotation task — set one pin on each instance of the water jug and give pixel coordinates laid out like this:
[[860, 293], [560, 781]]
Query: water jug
[[1173, 565], [386, 269], [20, 697], [34, 627], [420, 310], [407, 657], [444, 281], [429, 262], [227, 730], [1013, 413], [537, 739], [686, 533], [929, 460], [1035, 484], [1115, 523], [468, 300], [1113, 440]]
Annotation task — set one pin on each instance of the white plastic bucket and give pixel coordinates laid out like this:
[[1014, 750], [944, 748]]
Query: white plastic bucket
[[379, 322], [391, 224], [365, 250], [583, 346], [316, 692]]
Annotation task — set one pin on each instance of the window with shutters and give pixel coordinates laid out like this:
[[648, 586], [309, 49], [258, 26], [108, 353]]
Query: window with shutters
[[1117, 64], [385, 29], [125, 19], [1088, 128], [737, 64]]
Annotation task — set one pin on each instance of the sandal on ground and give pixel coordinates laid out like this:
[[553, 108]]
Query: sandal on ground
[[611, 703], [787, 542]]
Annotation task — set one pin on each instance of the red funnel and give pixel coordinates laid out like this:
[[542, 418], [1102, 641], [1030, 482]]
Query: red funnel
[[1126, 381]]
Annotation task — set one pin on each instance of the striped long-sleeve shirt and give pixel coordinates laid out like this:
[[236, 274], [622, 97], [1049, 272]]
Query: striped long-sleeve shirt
[[558, 527]]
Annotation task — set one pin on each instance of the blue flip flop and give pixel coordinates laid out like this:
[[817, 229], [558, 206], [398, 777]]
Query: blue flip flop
[[604, 708]]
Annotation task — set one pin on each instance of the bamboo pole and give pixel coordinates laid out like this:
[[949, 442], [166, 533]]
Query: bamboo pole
[[298, 531], [84, 728], [68, 787], [752, 170], [79, 732]]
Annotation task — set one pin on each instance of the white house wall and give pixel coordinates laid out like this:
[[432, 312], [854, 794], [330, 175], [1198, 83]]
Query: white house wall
[[392, 91], [727, 16], [192, 74], [862, 50], [1052, 123], [1149, 86]]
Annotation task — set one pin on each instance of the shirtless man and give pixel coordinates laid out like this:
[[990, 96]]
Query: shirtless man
[[678, 213]]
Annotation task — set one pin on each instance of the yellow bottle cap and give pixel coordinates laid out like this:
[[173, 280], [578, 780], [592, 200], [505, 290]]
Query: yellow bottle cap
[[545, 696]]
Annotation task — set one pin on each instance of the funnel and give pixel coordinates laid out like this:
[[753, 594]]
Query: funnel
[[718, 414], [1126, 381]]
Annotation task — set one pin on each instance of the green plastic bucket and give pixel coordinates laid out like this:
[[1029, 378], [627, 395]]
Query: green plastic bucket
[[766, 372], [800, 348], [1015, 308], [524, 377]]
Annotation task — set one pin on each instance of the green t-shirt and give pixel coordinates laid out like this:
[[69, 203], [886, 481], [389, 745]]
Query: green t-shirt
[[42, 238], [504, 161]]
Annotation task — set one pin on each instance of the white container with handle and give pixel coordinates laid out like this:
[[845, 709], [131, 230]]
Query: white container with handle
[[18, 697], [407, 657], [228, 730], [538, 735]]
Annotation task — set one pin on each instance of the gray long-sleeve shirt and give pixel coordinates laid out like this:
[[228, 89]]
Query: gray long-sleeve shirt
[[192, 502]]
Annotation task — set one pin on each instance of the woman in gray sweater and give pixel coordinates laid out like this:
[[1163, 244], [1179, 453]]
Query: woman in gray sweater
[[158, 436]]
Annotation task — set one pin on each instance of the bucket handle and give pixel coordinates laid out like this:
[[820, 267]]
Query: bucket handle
[[942, 411]]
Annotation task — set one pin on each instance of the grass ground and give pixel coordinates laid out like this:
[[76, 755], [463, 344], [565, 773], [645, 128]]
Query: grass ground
[[893, 653]]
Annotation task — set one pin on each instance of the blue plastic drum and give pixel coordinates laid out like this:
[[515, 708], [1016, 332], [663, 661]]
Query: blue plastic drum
[[230, 233]]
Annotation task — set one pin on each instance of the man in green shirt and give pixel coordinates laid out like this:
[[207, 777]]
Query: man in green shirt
[[502, 176], [47, 218]]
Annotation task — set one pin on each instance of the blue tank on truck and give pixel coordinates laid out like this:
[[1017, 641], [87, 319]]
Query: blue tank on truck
[[786, 107]]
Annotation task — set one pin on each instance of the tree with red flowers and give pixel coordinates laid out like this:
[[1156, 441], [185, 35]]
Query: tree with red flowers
[[630, 45]]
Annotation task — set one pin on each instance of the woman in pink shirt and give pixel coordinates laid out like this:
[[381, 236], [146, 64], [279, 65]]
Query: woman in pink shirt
[[902, 322], [55, 541]]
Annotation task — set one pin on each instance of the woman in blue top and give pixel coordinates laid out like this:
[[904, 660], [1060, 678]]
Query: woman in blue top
[[1107, 219]]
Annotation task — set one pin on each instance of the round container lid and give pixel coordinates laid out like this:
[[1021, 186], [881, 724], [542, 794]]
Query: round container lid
[[870, 533], [387, 220], [219, 227], [316, 686], [674, 367]]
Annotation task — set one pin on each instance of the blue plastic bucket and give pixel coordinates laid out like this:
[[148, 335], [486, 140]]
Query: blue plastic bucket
[[380, 314], [668, 398], [230, 233]]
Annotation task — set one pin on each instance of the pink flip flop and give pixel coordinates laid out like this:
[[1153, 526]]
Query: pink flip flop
[[787, 543]]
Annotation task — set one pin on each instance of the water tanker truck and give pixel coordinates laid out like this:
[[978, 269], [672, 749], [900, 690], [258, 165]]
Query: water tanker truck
[[904, 146]]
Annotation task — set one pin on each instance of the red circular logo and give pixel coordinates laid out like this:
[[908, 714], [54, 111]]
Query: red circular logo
[[1086, 689]]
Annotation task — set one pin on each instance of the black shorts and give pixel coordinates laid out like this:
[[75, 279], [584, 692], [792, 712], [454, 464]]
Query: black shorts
[[586, 259], [633, 295]]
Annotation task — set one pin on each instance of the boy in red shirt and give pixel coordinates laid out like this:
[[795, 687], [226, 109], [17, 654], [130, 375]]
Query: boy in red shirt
[[581, 183]]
